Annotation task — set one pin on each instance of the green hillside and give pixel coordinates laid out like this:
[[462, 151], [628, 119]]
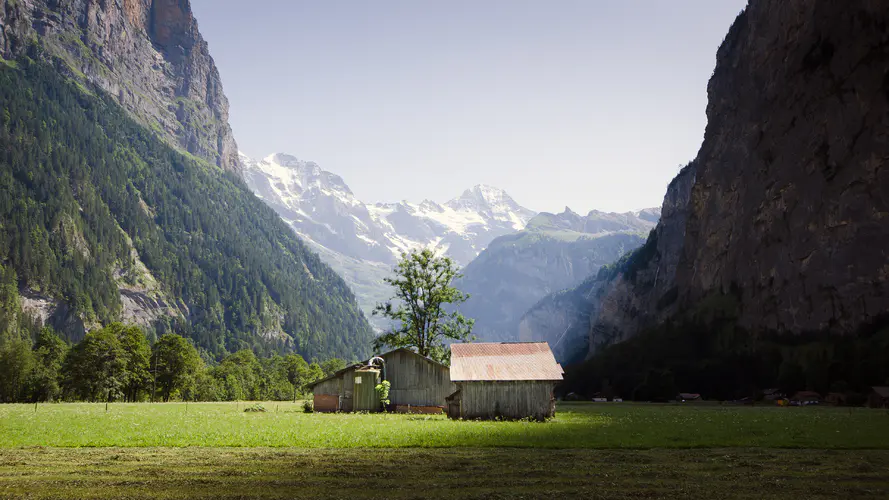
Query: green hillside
[[94, 203]]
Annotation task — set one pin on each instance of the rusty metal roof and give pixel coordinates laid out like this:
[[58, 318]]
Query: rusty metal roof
[[503, 361]]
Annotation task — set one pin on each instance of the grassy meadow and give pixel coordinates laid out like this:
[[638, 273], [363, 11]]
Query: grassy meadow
[[216, 450], [483, 473], [577, 425]]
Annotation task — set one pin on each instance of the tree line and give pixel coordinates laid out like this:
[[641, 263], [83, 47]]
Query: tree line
[[117, 363]]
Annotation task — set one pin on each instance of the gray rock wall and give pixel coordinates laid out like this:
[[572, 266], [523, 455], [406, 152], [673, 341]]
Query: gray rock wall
[[790, 209], [148, 54]]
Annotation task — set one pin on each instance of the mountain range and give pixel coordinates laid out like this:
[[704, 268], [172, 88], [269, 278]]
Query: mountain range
[[477, 229], [363, 241], [552, 253]]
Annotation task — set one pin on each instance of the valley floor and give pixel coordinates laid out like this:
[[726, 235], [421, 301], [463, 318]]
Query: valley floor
[[216, 450], [437, 473]]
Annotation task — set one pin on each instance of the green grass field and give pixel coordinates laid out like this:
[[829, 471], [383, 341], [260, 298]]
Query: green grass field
[[582, 425], [216, 450]]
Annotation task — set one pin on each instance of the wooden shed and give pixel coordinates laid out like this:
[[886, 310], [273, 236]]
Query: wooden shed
[[417, 384], [509, 380], [878, 397]]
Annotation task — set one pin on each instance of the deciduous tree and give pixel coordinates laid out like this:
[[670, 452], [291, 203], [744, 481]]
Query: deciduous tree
[[421, 306], [175, 363]]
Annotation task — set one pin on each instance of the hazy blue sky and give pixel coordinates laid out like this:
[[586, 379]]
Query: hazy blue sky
[[584, 103]]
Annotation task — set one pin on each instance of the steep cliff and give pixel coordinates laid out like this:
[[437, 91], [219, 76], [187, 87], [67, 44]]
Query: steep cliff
[[790, 209], [147, 54], [773, 266], [621, 298]]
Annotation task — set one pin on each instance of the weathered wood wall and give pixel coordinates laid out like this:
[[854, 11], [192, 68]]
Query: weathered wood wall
[[414, 380], [417, 381], [365, 396], [328, 387], [507, 399], [341, 386]]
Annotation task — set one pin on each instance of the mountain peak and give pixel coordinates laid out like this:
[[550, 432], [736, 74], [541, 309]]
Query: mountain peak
[[485, 198]]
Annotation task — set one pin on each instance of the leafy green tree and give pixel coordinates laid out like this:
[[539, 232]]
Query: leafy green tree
[[136, 353], [203, 387], [297, 373], [423, 292], [332, 366], [274, 384], [96, 367], [49, 353], [239, 376], [176, 363], [16, 366], [315, 374]]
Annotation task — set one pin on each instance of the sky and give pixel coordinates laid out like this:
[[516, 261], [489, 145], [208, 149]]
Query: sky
[[588, 104]]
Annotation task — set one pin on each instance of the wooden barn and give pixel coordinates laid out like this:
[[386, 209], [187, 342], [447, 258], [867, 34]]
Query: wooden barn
[[879, 397], [509, 380], [417, 384]]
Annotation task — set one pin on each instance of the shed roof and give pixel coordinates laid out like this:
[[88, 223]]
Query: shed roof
[[503, 361], [883, 392]]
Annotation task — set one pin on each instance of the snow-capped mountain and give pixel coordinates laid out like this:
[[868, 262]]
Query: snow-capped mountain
[[362, 241]]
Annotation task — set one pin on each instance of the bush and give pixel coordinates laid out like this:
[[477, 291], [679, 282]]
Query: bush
[[383, 392], [308, 406], [255, 408]]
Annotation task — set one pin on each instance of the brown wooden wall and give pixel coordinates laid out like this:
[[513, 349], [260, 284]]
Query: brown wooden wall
[[414, 380], [417, 381], [507, 399]]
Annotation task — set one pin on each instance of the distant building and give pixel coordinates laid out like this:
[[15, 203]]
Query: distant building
[[806, 398], [835, 398], [879, 397], [689, 396], [417, 384], [503, 380], [773, 394]]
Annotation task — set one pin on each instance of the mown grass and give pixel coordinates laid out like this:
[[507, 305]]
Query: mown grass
[[441, 473], [575, 426]]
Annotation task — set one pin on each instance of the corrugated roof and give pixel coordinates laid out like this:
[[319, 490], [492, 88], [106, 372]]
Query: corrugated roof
[[503, 361]]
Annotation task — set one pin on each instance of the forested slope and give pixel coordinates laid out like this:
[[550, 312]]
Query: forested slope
[[100, 220]]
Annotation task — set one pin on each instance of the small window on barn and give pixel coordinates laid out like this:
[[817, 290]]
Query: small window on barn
[[357, 380]]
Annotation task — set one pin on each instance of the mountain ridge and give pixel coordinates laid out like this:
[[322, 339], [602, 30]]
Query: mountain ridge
[[147, 54], [553, 253], [363, 241]]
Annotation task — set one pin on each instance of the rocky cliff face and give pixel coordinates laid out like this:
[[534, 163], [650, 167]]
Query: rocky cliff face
[[620, 299], [148, 54], [790, 209], [784, 210]]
